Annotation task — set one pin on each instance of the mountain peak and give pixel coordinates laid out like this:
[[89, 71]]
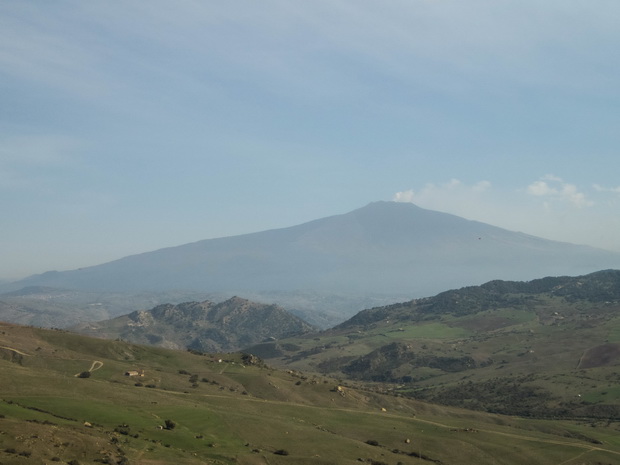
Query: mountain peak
[[389, 248]]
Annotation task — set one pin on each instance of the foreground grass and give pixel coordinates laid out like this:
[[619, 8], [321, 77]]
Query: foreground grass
[[232, 412]]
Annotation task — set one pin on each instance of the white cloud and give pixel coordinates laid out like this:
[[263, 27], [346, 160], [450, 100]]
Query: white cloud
[[554, 188], [540, 188], [405, 196]]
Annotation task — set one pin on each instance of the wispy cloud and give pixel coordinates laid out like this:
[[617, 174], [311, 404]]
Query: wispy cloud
[[29, 161], [599, 188], [295, 45]]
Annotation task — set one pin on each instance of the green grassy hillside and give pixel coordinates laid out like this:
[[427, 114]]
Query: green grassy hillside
[[547, 349], [67, 399]]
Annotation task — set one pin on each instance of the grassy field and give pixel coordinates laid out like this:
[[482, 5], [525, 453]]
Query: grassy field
[[227, 409]]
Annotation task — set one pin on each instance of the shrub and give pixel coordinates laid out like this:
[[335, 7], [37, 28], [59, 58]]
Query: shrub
[[372, 442], [84, 374], [122, 430], [281, 452], [169, 424]]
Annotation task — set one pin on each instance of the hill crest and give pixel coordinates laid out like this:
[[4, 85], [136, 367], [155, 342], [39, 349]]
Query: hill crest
[[202, 326]]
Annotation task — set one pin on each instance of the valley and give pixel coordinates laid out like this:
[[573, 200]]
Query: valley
[[508, 372]]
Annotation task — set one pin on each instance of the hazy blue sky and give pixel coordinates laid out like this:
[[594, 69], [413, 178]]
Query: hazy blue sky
[[128, 126]]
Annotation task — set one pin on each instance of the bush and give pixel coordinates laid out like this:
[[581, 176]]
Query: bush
[[122, 430], [372, 442], [169, 424], [84, 374], [281, 452]]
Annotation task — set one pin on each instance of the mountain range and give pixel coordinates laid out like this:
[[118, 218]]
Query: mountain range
[[386, 249]]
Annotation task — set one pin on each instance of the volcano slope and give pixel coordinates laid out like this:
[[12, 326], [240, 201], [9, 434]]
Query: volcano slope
[[547, 348], [147, 406]]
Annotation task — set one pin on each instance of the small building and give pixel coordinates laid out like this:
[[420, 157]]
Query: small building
[[134, 373]]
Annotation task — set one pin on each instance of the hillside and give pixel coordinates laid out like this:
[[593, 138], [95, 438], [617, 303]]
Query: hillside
[[70, 399], [384, 248], [545, 348], [204, 326]]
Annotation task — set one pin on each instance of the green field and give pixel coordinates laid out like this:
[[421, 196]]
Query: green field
[[239, 411]]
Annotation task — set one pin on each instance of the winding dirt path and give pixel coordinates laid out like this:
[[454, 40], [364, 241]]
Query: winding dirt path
[[94, 367], [16, 351]]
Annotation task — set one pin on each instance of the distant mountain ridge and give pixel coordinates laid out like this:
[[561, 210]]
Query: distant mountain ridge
[[601, 287], [382, 248], [202, 326]]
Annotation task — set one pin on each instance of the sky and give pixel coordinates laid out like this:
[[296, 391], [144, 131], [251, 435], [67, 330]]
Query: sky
[[129, 126]]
